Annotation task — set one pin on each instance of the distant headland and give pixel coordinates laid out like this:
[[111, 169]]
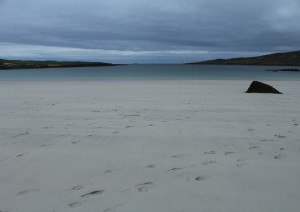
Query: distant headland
[[29, 64], [277, 59]]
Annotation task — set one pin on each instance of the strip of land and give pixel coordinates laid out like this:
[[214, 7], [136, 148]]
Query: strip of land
[[29, 64], [277, 59]]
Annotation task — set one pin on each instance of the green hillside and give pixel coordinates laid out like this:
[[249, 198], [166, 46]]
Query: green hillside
[[28, 64], [277, 59]]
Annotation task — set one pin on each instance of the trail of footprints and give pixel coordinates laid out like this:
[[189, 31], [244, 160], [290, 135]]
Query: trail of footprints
[[146, 186], [142, 187], [278, 138]]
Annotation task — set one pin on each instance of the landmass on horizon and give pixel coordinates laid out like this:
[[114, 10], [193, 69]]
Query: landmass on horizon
[[30, 64], [276, 59]]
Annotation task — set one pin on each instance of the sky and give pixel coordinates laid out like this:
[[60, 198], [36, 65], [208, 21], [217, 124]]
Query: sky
[[147, 31]]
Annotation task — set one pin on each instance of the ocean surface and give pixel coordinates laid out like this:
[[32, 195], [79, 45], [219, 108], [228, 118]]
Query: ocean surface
[[153, 72]]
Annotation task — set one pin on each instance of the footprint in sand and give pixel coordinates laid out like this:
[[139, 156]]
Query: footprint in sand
[[133, 115], [174, 169], [111, 170], [280, 136], [93, 193], [20, 155], [75, 142], [209, 162], [179, 156], [109, 210], [266, 140], [76, 188], [254, 147], [282, 149], [278, 156], [21, 134], [74, 204], [241, 162], [201, 178], [95, 111], [229, 153], [260, 153], [145, 186], [177, 119], [209, 153], [21, 193], [113, 209], [45, 145]]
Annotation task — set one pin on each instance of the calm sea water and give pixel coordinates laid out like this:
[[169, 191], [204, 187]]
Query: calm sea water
[[153, 72]]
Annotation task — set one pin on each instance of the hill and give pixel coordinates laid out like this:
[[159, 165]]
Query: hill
[[277, 59], [28, 64]]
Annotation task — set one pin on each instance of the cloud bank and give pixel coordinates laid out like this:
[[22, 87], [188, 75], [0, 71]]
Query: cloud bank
[[169, 31]]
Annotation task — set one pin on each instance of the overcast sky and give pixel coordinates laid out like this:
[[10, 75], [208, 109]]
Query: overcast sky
[[147, 31]]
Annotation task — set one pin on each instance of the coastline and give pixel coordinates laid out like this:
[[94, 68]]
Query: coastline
[[27, 64], [163, 145]]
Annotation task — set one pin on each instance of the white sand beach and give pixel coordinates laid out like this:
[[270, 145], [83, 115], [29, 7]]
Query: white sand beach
[[149, 146]]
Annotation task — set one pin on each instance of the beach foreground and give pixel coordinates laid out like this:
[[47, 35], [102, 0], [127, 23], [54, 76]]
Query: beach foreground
[[148, 146]]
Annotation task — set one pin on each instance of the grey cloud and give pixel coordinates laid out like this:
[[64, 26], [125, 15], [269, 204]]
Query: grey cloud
[[225, 27]]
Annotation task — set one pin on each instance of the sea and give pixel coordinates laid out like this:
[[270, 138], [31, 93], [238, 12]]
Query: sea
[[154, 72]]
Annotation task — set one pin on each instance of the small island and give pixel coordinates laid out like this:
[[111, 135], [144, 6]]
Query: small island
[[29, 64]]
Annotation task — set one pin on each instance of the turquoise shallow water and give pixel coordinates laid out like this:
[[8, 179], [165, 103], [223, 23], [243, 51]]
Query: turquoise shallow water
[[153, 72]]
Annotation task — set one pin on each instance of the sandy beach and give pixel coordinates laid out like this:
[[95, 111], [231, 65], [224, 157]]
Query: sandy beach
[[145, 146]]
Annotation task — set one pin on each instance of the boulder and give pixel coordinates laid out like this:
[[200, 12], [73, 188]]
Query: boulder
[[259, 87]]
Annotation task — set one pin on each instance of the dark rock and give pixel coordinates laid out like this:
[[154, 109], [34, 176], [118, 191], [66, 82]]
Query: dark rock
[[259, 87]]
